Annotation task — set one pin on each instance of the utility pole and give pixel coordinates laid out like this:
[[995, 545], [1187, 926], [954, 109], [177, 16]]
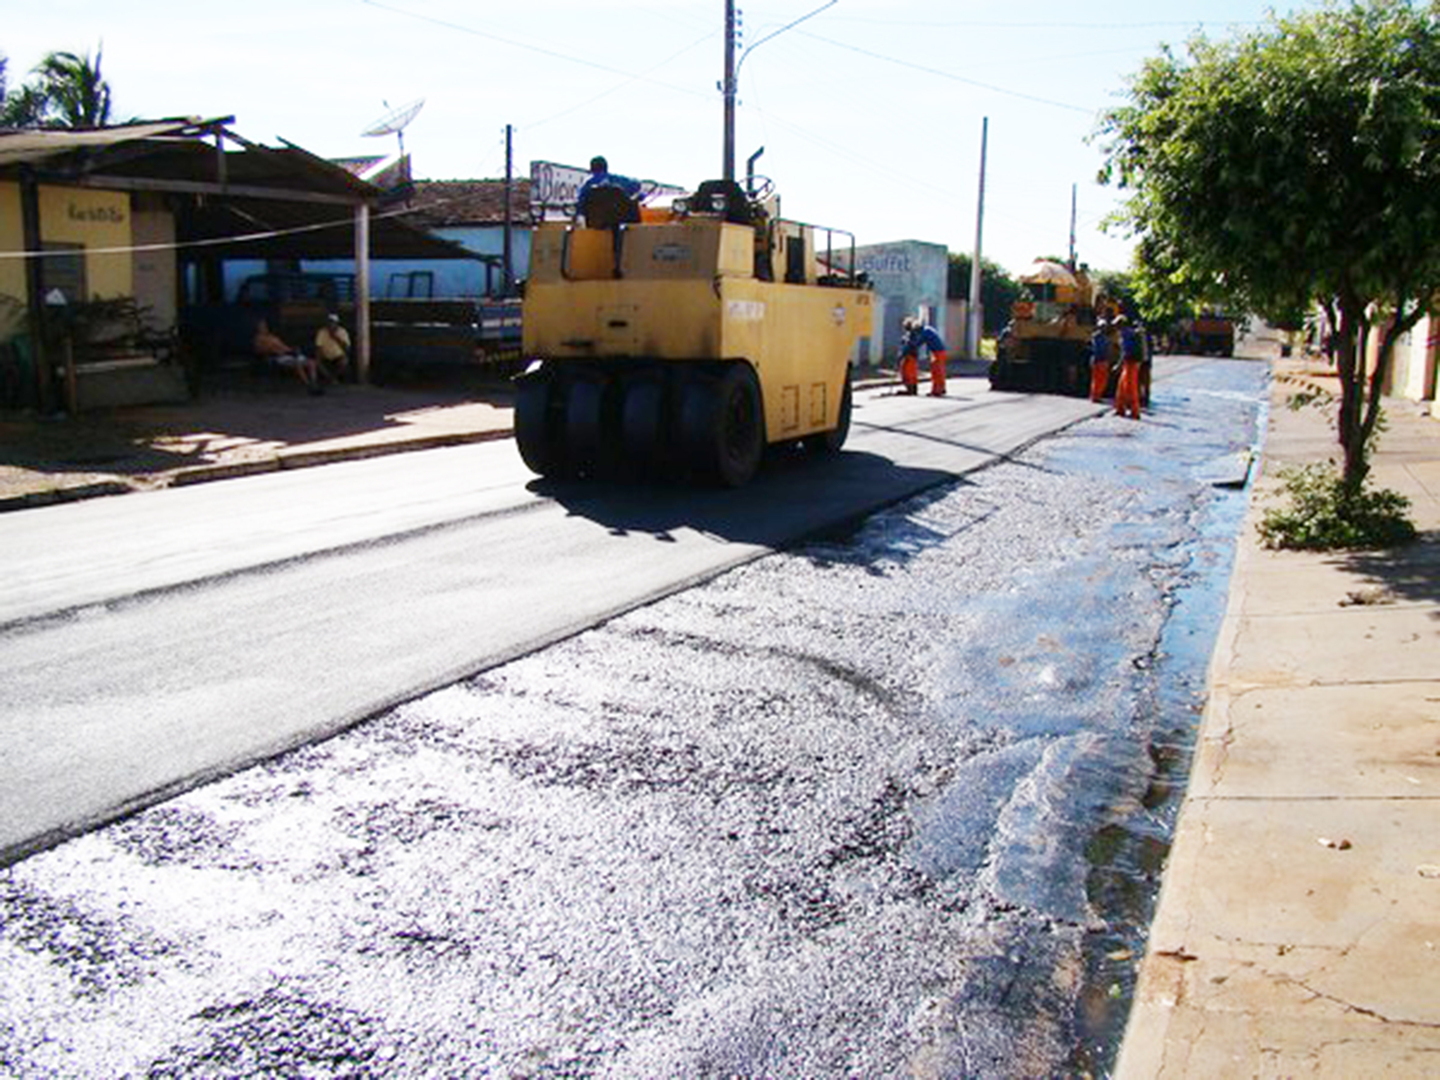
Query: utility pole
[[728, 89], [732, 70], [506, 262], [1072, 227], [972, 343]]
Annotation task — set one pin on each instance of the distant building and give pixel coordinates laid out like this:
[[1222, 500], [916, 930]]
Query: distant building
[[909, 277]]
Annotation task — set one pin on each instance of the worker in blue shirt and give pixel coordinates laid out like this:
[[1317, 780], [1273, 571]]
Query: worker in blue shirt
[[1100, 360], [917, 336], [1127, 391], [601, 177], [608, 200]]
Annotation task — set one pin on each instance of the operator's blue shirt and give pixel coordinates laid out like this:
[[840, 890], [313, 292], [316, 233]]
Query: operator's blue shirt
[[630, 187], [922, 335], [1099, 346]]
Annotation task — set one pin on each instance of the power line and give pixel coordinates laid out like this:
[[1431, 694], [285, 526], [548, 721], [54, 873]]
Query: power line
[[1046, 25], [553, 54], [910, 65], [621, 85], [236, 238]]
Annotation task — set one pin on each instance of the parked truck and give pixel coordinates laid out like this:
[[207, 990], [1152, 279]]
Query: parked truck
[[1209, 331], [410, 328]]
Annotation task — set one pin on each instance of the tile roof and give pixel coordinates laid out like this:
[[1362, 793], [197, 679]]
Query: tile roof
[[468, 202]]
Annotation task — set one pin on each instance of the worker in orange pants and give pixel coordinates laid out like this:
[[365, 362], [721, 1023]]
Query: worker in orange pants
[[910, 372], [1100, 361], [1127, 391], [918, 336]]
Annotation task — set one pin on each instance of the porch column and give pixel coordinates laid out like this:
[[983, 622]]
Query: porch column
[[362, 293], [34, 287]]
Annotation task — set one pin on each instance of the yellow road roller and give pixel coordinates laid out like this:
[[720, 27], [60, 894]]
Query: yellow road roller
[[683, 340]]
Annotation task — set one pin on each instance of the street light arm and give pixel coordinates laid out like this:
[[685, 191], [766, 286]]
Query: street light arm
[[777, 33]]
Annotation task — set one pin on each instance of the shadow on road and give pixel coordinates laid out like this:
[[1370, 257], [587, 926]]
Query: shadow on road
[[795, 497]]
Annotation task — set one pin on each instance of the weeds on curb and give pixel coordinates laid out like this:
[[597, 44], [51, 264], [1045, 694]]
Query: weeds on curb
[[1323, 516]]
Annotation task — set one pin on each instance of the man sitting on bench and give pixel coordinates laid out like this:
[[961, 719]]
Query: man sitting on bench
[[270, 348]]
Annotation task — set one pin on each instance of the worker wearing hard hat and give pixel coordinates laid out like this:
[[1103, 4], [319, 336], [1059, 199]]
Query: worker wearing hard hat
[[917, 336]]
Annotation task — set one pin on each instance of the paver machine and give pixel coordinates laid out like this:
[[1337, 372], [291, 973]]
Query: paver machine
[[684, 340], [1045, 347]]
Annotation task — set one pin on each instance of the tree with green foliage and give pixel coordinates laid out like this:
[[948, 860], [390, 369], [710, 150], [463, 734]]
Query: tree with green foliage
[[64, 91], [1294, 164], [998, 290]]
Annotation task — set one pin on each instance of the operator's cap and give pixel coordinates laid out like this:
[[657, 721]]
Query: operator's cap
[[332, 317], [1121, 320]]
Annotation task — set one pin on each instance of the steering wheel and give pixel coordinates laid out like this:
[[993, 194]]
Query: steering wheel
[[759, 188]]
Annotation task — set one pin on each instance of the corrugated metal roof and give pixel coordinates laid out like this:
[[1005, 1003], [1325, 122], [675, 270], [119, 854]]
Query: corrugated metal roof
[[20, 145], [252, 202]]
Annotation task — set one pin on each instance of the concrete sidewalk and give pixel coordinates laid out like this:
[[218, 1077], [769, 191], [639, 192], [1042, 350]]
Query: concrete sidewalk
[[1298, 929], [236, 427], [243, 425]]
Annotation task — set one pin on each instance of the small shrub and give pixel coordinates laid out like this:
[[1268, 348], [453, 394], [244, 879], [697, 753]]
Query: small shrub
[[1322, 516]]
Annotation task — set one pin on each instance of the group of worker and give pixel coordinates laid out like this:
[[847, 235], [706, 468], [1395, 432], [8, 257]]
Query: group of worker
[[329, 364], [1118, 339]]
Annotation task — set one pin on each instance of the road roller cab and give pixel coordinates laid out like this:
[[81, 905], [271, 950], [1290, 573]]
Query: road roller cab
[[685, 342]]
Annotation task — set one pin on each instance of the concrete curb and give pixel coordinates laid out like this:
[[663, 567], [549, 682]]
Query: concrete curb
[[54, 496], [285, 459], [1295, 928]]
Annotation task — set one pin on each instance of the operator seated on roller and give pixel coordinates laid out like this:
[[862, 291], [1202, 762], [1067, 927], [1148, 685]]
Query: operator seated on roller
[[608, 200]]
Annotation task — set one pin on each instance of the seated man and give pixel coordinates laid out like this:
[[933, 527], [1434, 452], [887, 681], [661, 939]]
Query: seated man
[[332, 349], [270, 348], [608, 199]]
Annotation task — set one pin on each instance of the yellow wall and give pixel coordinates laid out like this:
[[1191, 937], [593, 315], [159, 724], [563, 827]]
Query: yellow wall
[[12, 270], [96, 219]]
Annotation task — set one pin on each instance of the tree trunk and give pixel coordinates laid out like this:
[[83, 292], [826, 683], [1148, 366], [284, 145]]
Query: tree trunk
[[1350, 365], [1360, 389]]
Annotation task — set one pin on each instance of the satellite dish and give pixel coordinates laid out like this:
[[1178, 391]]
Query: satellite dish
[[394, 121]]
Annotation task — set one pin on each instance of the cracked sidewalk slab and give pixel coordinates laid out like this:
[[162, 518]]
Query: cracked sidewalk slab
[[1337, 742], [1358, 644], [1289, 943]]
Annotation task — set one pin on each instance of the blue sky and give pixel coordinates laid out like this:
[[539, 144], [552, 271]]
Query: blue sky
[[870, 112]]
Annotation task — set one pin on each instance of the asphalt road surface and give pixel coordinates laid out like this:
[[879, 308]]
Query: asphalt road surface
[[885, 803], [154, 641]]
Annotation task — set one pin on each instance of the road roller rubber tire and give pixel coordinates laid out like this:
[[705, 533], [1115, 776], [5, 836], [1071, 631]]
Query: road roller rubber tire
[[535, 430], [722, 426]]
